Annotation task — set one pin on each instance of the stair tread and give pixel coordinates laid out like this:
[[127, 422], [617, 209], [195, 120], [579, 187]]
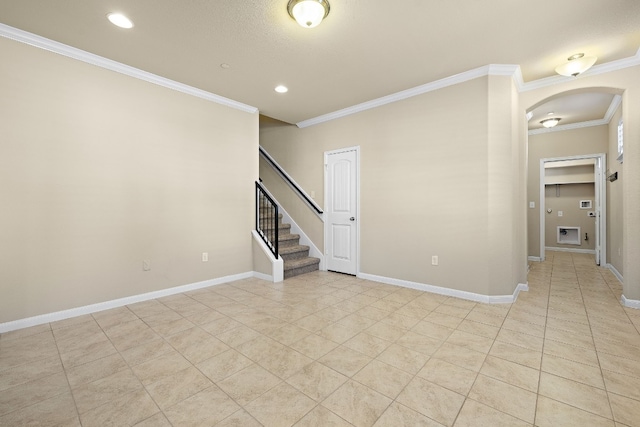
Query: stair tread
[[281, 226], [302, 262], [288, 236], [291, 249]]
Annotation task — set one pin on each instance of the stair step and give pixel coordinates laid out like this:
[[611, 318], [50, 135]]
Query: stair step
[[300, 266], [286, 240], [289, 253], [281, 227]]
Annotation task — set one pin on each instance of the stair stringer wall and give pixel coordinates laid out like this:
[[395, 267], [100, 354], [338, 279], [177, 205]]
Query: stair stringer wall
[[295, 229], [265, 265]]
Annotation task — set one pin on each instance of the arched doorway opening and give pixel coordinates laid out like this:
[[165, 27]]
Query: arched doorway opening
[[588, 124]]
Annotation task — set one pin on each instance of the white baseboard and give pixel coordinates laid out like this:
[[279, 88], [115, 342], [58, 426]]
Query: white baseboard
[[101, 306], [263, 276], [534, 258], [631, 303], [577, 251], [488, 299], [615, 272]]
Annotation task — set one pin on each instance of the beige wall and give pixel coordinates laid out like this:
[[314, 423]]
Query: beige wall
[[506, 233], [429, 186], [626, 81], [101, 171], [615, 200], [293, 204], [591, 140], [566, 199]]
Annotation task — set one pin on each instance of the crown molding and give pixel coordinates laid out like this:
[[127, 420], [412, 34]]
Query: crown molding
[[559, 128], [502, 69], [613, 107], [493, 69], [607, 67], [99, 61]]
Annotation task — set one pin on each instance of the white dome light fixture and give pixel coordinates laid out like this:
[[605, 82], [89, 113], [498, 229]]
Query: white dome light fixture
[[120, 20], [308, 13], [576, 64], [549, 123]]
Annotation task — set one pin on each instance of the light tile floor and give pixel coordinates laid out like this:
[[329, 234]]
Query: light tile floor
[[325, 349]]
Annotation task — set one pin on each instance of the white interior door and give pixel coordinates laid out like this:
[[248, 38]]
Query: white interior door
[[341, 230]]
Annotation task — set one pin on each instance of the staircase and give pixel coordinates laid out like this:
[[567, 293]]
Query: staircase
[[295, 256]]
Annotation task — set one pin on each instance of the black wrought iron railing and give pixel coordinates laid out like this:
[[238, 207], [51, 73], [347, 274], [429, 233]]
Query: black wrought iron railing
[[267, 219]]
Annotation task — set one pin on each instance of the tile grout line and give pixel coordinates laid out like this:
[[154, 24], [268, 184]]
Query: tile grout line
[[544, 340], [597, 353]]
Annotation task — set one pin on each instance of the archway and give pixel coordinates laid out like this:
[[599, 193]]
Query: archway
[[590, 137]]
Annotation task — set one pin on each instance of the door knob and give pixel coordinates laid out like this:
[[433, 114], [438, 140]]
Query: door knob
[[352, 219]]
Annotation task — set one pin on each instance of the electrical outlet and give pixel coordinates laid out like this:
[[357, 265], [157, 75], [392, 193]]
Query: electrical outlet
[[205, 256], [434, 260], [146, 265]]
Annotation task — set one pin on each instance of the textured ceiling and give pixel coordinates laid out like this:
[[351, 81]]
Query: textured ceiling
[[364, 50]]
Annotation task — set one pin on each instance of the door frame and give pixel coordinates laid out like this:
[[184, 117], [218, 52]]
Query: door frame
[[326, 201], [600, 186]]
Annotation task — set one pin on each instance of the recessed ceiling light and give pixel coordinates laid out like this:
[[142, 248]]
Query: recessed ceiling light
[[120, 20], [281, 89], [225, 66]]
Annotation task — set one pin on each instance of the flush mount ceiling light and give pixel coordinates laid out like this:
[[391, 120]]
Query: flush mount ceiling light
[[308, 13], [576, 64], [549, 123], [281, 89], [120, 20]]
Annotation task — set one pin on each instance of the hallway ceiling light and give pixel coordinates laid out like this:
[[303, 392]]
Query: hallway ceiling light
[[120, 20], [576, 64], [308, 13], [549, 123]]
